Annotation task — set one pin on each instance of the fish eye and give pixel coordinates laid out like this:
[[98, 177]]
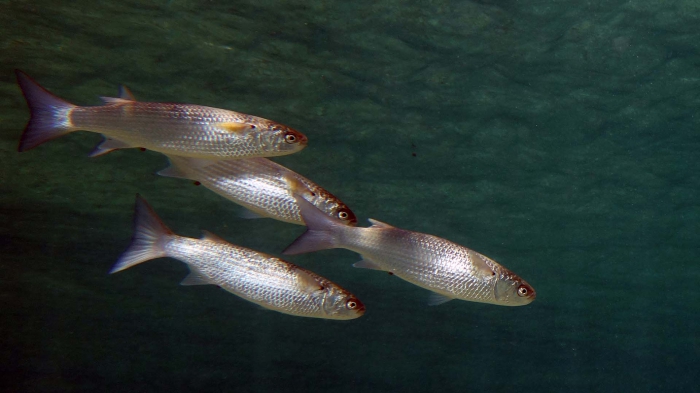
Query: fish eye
[[343, 215], [522, 291], [351, 304], [290, 138]]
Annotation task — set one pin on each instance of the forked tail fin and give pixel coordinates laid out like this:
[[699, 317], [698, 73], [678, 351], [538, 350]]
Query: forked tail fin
[[49, 114], [322, 232], [149, 238]]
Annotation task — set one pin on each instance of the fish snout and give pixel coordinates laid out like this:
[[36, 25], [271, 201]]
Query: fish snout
[[356, 307], [526, 292]]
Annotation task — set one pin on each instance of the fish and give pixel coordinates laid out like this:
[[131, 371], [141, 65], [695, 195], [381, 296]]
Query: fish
[[170, 128], [262, 186], [257, 277], [449, 270]]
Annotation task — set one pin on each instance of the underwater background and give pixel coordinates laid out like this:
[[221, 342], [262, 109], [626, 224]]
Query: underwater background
[[559, 138]]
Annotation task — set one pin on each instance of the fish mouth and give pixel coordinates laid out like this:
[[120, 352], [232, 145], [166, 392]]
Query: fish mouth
[[360, 310]]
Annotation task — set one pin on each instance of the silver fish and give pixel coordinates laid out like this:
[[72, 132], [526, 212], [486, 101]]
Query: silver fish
[[182, 129], [447, 269], [260, 185], [259, 278]]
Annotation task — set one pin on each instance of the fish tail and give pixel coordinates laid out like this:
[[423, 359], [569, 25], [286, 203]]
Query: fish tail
[[322, 230], [149, 238], [49, 114]]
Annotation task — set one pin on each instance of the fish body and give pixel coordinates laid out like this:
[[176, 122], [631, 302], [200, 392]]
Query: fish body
[[170, 128], [447, 269], [260, 185], [254, 276]]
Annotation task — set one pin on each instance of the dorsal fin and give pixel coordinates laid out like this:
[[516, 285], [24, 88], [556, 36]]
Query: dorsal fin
[[206, 235], [126, 94], [114, 100], [379, 224]]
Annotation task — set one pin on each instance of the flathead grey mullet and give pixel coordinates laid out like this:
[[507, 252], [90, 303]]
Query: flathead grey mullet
[[447, 269], [170, 128], [263, 187], [254, 276]]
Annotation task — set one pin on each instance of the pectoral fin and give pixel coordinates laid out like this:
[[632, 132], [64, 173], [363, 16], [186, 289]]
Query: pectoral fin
[[236, 127], [481, 268], [307, 283]]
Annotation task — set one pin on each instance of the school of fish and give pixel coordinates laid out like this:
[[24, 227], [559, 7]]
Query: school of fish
[[227, 152]]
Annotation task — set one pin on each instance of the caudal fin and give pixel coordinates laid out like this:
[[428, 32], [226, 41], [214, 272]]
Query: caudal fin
[[150, 235], [49, 114], [322, 232]]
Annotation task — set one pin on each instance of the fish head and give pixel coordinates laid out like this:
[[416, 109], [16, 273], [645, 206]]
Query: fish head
[[511, 290], [283, 140], [340, 304], [321, 199], [331, 205]]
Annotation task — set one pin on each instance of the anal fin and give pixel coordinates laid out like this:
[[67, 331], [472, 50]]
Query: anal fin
[[108, 145], [367, 264], [436, 299], [196, 277]]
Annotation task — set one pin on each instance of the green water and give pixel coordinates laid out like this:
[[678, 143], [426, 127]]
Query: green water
[[558, 137]]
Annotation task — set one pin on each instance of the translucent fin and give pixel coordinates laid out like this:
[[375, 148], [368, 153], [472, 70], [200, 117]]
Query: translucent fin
[[180, 167], [126, 94], [206, 235], [306, 282], [195, 277], [49, 114], [114, 100], [148, 239], [321, 231], [379, 224], [435, 299], [236, 127], [481, 268], [367, 264], [250, 215], [108, 145]]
